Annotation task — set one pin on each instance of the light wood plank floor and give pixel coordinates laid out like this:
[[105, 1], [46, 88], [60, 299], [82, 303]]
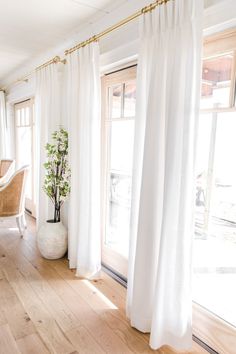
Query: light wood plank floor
[[45, 309]]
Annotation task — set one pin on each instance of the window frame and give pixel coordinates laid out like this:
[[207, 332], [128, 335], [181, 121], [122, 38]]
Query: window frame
[[215, 46], [207, 326], [30, 204], [111, 259]]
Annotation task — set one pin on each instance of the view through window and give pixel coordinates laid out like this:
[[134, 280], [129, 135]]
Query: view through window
[[25, 147], [215, 218], [119, 119]]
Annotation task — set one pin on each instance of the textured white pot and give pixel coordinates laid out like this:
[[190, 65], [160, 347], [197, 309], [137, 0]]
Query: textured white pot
[[52, 240]]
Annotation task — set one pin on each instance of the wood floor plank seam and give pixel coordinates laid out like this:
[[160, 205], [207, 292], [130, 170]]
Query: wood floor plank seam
[[32, 344], [89, 298], [46, 326], [98, 323], [14, 312], [46, 294], [62, 279], [6, 252], [8, 343], [68, 285]]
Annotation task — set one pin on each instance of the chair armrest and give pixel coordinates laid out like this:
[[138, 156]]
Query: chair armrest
[[12, 194], [4, 179], [4, 184]]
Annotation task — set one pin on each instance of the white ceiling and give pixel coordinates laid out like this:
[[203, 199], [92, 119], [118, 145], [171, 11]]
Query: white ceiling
[[29, 28]]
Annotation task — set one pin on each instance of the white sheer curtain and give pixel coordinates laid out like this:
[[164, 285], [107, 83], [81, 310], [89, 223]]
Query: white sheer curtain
[[47, 104], [3, 126], [84, 151], [159, 282]]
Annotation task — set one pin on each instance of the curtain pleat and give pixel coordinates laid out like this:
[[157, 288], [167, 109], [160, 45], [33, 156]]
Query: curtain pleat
[[84, 121], [168, 84], [47, 120]]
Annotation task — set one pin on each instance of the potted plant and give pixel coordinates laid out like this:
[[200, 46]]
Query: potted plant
[[52, 236]]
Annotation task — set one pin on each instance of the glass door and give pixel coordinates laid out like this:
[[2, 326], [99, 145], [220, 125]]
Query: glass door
[[25, 147], [119, 99], [214, 286]]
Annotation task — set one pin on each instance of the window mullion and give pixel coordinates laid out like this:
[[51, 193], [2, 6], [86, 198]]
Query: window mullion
[[233, 83]]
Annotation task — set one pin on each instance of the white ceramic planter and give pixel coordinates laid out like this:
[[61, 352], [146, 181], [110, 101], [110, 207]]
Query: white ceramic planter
[[52, 240]]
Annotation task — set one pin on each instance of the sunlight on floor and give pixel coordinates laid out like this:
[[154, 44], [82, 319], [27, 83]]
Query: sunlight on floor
[[100, 294]]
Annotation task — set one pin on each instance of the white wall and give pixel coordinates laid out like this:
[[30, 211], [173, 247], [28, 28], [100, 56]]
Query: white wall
[[220, 16]]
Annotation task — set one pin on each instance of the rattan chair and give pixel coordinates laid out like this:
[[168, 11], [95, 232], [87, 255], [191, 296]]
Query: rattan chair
[[12, 198]]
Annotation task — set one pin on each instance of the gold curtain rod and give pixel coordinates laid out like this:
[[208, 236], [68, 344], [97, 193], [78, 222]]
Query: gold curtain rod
[[57, 59], [96, 37], [54, 60]]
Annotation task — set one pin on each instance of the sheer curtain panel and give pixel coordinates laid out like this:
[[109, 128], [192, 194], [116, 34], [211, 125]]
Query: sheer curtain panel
[[84, 152], [3, 126], [47, 110], [159, 282]]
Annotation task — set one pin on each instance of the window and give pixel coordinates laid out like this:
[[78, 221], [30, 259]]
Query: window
[[119, 98], [215, 212], [25, 147], [217, 81]]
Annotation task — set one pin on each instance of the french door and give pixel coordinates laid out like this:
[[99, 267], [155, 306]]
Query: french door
[[214, 261], [119, 100], [25, 147]]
